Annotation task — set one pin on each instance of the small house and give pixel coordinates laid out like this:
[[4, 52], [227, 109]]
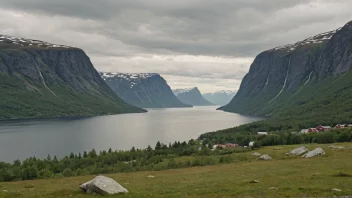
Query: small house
[[219, 146], [230, 145], [262, 133], [304, 131], [340, 126], [323, 128], [312, 130]]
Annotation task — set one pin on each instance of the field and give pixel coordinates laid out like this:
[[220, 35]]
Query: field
[[282, 177]]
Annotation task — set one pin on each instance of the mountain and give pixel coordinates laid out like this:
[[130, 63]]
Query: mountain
[[220, 97], [310, 79], [146, 90], [191, 96], [41, 80]]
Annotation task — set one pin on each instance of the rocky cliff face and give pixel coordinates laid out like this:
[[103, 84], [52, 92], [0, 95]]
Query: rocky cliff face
[[220, 97], [191, 96], [146, 90], [39, 79], [282, 75]]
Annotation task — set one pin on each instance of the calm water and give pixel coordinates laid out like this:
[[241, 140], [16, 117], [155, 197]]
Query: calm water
[[23, 139]]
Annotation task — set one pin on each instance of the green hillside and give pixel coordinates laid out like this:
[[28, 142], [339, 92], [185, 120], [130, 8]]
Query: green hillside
[[282, 177]]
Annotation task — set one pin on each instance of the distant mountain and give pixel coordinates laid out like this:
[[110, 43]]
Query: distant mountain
[[309, 80], [145, 90], [191, 96], [220, 97], [40, 80]]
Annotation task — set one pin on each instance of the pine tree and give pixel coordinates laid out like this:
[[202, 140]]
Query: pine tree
[[149, 148], [48, 158], [72, 156], [133, 149], [158, 146]]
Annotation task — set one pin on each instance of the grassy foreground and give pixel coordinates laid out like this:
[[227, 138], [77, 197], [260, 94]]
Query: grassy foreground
[[291, 177]]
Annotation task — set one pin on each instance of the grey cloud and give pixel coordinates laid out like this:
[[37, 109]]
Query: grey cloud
[[123, 35], [199, 27]]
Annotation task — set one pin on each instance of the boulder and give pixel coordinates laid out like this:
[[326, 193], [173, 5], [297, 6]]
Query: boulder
[[298, 151], [315, 152], [265, 157], [336, 147], [256, 154], [103, 185]]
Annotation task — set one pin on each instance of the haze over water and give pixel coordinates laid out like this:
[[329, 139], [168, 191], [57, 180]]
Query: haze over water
[[23, 139]]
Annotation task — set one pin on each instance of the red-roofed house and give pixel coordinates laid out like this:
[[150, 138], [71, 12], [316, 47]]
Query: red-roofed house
[[323, 128]]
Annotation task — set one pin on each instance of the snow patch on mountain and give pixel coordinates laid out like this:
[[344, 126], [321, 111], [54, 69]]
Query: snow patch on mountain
[[181, 91], [225, 92], [22, 42], [133, 78], [312, 40]]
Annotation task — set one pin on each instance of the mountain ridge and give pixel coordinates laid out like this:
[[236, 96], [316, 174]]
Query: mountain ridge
[[191, 96], [145, 90], [278, 80], [222, 97], [45, 80]]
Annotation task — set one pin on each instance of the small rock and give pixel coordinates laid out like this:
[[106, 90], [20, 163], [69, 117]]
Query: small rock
[[315, 152], [265, 157], [254, 181], [151, 176], [298, 151], [336, 147], [103, 185], [273, 188], [336, 190], [256, 154], [5, 191]]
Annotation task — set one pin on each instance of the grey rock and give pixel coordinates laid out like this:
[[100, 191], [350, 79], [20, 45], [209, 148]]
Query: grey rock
[[336, 147], [256, 154], [265, 157], [103, 185], [298, 151], [254, 181], [151, 176], [273, 188], [336, 190], [315, 152]]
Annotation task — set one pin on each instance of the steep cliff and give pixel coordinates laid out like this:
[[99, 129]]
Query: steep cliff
[[146, 90], [39, 80], [308, 78], [191, 96], [220, 97]]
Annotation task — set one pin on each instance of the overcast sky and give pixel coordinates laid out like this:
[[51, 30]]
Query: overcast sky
[[204, 43]]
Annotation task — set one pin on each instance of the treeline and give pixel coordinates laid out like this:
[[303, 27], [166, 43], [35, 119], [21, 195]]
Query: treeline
[[279, 138], [272, 125], [163, 156]]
